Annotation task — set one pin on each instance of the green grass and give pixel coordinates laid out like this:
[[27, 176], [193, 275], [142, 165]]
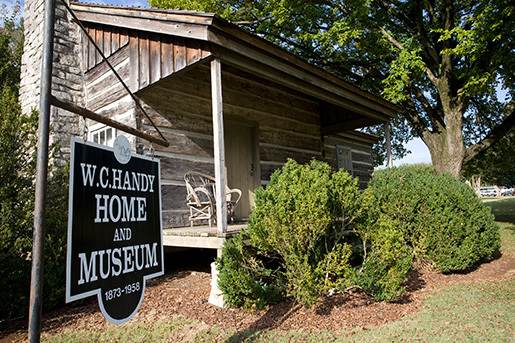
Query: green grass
[[504, 212], [476, 312], [464, 313], [158, 331], [503, 209]]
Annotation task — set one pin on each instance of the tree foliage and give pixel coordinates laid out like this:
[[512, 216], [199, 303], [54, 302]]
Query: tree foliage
[[17, 165], [442, 60]]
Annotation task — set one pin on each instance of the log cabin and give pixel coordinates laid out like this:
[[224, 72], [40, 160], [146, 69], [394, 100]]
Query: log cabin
[[229, 103]]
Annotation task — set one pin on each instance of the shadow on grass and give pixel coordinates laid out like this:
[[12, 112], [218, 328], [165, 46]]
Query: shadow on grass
[[503, 209], [273, 318]]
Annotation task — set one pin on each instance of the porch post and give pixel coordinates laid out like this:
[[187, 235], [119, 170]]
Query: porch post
[[389, 161], [219, 147]]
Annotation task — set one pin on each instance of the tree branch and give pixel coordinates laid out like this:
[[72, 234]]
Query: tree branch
[[431, 112], [417, 122], [399, 46], [253, 22], [431, 52], [494, 136]]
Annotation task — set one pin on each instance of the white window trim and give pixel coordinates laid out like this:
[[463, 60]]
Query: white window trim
[[96, 128]]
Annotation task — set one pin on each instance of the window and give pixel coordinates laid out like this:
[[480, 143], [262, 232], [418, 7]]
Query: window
[[344, 158], [102, 134]]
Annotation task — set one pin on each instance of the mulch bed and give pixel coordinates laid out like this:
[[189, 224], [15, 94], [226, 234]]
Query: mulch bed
[[186, 293]]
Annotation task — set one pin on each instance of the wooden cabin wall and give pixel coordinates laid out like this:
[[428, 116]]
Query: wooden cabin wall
[[106, 95], [140, 59], [287, 126], [361, 154]]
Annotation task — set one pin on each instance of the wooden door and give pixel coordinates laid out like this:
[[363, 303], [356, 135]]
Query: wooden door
[[240, 161]]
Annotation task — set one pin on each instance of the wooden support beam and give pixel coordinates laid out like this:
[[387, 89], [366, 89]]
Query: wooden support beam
[[84, 112], [347, 125], [219, 146]]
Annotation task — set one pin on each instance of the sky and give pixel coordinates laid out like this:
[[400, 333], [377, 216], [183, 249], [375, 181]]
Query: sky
[[419, 153]]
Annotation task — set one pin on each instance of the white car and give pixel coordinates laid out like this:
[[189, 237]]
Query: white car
[[488, 191], [507, 191]]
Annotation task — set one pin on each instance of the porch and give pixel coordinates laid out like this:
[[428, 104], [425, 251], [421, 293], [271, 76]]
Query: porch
[[202, 236]]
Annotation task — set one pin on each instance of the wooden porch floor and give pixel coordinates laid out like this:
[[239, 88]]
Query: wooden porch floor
[[201, 236]]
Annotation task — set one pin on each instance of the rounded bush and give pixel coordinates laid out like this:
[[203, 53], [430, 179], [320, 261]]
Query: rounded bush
[[440, 218], [304, 239]]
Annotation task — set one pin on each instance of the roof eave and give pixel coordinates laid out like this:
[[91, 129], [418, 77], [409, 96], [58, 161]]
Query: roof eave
[[258, 42]]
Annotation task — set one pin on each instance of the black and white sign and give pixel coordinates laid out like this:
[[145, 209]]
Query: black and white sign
[[114, 226]]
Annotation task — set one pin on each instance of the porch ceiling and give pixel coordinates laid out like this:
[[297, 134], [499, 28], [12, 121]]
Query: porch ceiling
[[189, 92]]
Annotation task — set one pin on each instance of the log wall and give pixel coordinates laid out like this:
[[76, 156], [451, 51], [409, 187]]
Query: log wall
[[361, 154]]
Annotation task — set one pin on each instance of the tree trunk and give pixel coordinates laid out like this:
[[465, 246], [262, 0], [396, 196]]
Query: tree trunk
[[446, 144], [447, 151]]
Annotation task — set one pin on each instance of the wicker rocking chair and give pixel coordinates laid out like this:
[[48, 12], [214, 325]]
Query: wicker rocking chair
[[200, 198]]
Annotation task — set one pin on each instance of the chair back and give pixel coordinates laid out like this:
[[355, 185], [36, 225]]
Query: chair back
[[194, 181], [191, 196]]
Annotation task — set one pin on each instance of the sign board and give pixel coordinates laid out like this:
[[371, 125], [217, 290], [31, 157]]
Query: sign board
[[114, 226]]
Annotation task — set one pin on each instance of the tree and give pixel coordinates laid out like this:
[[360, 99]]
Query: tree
[[441, 60], [17, 165]]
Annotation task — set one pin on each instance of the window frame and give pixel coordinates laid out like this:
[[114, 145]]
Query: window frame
[[344, 158], [98, 129]]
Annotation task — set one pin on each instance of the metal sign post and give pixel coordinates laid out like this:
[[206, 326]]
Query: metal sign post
[[36, 280]]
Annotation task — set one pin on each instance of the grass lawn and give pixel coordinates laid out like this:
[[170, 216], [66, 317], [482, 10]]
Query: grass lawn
[[475, 312], [503, 209], [504, 212]]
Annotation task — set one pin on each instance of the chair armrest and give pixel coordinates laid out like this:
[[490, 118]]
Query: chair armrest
[[233, 191]]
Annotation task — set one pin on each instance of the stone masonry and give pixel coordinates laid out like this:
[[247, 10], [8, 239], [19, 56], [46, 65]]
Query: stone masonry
[[67, 82]]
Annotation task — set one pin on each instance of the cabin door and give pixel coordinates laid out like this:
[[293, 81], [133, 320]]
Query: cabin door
[[240, 161]]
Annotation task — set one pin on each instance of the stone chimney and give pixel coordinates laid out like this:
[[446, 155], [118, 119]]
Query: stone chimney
[[67, 83]]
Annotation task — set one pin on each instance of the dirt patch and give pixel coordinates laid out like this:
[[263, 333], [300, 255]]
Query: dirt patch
[[186, 293]]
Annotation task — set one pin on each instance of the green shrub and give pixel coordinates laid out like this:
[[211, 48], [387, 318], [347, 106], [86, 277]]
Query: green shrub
[[306, 223], [440, 218], [244, 279], [17, 165], [335, 270], [16, 204], [387, 262], [290, 219]]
